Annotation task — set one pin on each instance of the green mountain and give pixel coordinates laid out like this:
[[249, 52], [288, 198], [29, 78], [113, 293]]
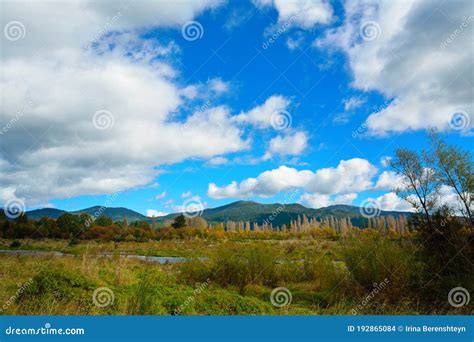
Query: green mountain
[[45, 212], [278, 214], [115, 214]]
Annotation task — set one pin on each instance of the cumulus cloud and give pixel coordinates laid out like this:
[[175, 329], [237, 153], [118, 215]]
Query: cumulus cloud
[[389, 180], [301, 13], [100, 118], [419, 58], [288, 145], [262, 116], [349, 176], [391, 202], [316, 201]]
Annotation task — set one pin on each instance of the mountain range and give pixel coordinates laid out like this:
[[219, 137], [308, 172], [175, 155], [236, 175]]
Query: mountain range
[[236, 211]]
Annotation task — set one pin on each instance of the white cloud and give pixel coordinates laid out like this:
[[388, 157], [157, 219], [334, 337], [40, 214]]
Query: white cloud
[[155, 213], [321, 201], [353, 103], [54, 150], [73, 24], [301, 13], [391, 202], [349, 176], [261, 116], [218, 85], [446, 196], [160, 196], [409, 60], [295, 42], [218, 161], [186, 194], [288, 145], [389, 180]]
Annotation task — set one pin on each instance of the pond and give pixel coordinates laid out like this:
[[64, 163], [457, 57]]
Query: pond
[[158, 259]]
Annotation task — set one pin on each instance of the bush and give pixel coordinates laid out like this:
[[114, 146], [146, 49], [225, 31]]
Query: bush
[[373, 260], [145, 298], [53, 289], [242, 265]]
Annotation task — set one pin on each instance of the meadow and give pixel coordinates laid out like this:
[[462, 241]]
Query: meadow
[[364, 274]]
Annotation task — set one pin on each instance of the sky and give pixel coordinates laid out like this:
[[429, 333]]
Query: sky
[[166, 106]]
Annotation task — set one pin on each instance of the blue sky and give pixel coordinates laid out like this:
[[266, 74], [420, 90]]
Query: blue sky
[[347, 75]]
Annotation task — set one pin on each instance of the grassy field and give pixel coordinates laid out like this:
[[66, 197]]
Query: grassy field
[[369, 275]]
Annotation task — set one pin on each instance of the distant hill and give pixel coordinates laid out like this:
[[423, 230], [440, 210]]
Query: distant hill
[[284, 213], [236, 211], [115, 214], [45, 212]]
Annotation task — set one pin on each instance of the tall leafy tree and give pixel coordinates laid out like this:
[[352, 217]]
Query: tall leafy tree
[[454, 167]]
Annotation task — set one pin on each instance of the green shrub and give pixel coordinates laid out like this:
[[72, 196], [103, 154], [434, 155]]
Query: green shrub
[[145, 296], [374, 260], [194, 271], [52, 289], [243, 265]]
